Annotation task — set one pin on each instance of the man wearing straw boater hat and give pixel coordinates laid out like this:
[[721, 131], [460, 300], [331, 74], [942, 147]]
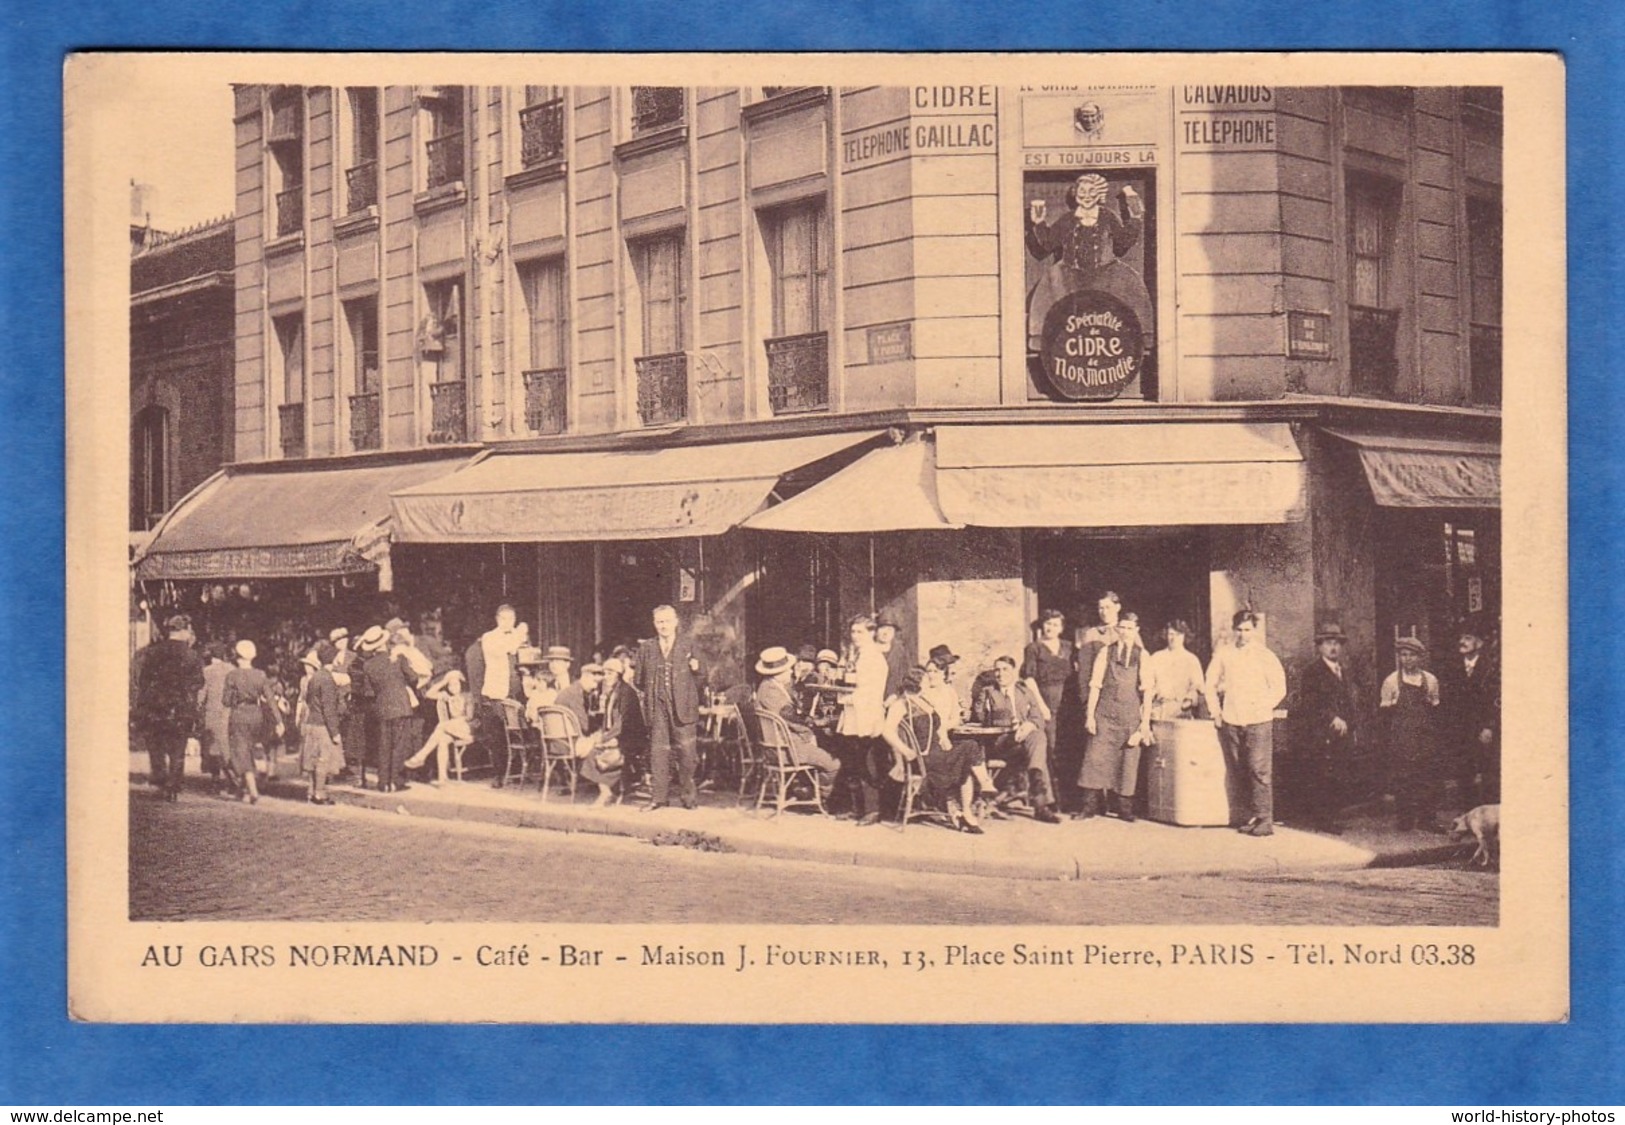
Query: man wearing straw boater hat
[[1324, 729], [776, 667]]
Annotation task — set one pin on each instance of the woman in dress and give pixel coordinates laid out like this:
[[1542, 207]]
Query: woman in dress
[[247, 698], [1047, 666], [456, 708]]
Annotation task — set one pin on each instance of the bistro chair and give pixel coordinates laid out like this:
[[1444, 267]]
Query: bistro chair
[[776, 765], [521, 742], [442, 713], [560, 732], [911, 805]]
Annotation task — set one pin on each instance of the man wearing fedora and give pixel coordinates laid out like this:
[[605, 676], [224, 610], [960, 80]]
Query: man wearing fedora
[[168, 687], [668, 680], [777, 668], [390, 678], [1408, 706], [1470, 702], [899, 660], [1325, 729]]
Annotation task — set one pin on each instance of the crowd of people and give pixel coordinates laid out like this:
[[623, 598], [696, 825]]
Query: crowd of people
[[1061, 730]]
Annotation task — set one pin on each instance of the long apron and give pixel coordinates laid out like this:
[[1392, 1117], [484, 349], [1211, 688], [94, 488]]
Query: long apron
[[1413, 760], [1109, 762]]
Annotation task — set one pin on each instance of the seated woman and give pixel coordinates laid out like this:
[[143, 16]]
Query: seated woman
[[950, 781], [620, 750], [456, 724]]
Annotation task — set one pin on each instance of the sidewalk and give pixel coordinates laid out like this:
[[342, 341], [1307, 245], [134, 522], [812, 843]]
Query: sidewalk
[[1017, 848]]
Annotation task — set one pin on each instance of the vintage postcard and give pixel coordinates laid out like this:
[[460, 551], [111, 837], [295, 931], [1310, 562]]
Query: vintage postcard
[[945, 538]]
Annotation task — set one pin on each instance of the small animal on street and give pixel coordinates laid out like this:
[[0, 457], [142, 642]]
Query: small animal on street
[[1483, 824]]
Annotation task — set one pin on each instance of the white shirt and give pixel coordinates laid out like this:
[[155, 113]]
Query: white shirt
[[1250, 682], [1173, 677], [497, 646]]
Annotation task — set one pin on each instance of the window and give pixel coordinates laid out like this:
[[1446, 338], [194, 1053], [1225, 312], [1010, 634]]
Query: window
[[797, 239], [1484, 257], [285, 139], [1373, 217], [545, 344], [655, 108], [662, 364], [440, 333], [798, 254], [361, 174], [541, 126], [289, 373], [361, 322], [151, 449], [663, 285], [442, 106]]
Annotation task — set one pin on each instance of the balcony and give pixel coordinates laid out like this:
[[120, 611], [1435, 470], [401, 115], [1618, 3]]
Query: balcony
[[449, 421], [1484, 361], [362, 182], [291, 425], [366, 429], [290, 211], [798, 373], [1373, 357], [541, 132], [662, 388], [445, 159], [546, 401], [656, 107]]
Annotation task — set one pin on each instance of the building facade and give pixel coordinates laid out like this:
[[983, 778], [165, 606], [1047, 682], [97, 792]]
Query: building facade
[[182, 363], [778, 355]]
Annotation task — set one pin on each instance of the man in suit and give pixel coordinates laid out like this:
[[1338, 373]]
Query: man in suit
[[168, 685], [668, 679], [390, 679], [776, 667], [1009, 702], [1324, 723], [1470, 700]]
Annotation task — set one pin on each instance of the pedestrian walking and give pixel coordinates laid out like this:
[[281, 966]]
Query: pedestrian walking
[[321, 750], [252, 712], [168, 687]]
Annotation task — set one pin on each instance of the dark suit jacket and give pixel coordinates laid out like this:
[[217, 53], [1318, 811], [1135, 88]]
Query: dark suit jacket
[[992, 707], [169, 679], [685, 684], [1321, 698], [1468, 706], [623, 720], [390, 680]]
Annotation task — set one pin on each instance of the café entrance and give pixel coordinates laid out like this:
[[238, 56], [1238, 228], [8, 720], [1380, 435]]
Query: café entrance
[[1159, 573]]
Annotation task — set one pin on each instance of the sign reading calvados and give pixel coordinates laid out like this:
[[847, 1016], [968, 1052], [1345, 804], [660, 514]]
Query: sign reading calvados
[[1093, 346]]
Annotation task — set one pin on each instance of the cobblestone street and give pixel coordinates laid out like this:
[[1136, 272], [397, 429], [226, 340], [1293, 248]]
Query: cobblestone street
[[205, 858]]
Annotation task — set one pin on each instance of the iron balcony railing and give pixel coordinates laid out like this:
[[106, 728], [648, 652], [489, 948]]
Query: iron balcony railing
[[1373, 354], [541, 133], [449, 421], [546, 401], [798, 373], [1484, 361], [656, 107], [445, 154], [662, 388], [290, 210], [366, 422], [362, 181], [291, 426]]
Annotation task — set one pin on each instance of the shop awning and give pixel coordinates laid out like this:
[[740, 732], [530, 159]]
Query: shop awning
[[263, 522], [658, 493], [1120, 474], [893, 488], [1414, 472]]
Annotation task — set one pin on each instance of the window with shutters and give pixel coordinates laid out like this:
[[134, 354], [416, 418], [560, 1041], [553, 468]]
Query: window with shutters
[[1373, 218]]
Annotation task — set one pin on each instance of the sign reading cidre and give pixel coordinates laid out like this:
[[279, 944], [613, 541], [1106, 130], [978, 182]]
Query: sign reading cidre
[[1093, 346]]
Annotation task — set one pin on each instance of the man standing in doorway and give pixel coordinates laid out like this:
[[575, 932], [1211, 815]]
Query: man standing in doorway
[[1245, 683], [668, 679]]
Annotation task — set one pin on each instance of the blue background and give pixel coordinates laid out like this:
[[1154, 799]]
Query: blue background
[[45, 1059]]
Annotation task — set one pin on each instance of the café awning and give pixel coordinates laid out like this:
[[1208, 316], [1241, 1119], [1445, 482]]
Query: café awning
[[274, 522], [893, 488], [1120, 474], [1415, 472], [657, 493]]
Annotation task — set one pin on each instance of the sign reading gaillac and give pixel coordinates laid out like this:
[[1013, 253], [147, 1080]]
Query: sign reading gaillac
[[1093, 346]]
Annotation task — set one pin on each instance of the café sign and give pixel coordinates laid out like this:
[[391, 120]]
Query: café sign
[[1093, 346]]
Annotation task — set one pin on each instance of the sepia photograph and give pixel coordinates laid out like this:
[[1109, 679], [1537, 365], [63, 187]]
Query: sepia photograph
[[1028, 521]]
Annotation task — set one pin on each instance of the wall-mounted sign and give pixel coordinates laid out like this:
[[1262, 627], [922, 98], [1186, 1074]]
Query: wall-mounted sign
[[1094, 346], [1227, 118], [889, 343], [923, 136], [1308, 335]]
